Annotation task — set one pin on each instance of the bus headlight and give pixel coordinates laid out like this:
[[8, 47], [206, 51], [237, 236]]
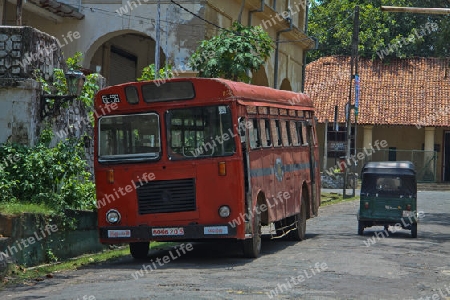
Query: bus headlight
[[224, 211], [113, 216]]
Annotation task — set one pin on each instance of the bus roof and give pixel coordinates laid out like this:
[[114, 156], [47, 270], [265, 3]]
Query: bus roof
[[249, 92], [223, 89]]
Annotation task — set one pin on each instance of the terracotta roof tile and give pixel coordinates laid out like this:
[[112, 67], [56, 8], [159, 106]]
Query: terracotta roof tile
[[396, 92]]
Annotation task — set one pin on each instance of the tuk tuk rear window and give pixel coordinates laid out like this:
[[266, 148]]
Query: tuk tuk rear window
[[388, 184]]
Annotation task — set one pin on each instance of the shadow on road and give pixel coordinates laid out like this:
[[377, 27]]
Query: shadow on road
[[204, 255]]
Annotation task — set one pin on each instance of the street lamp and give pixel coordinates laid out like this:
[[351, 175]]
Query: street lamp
[[75, 81]]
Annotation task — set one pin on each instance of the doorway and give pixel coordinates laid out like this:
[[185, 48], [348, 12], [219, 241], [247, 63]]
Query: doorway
[[446, 157]]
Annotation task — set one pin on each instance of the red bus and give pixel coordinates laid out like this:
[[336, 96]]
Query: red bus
[[198, 159]]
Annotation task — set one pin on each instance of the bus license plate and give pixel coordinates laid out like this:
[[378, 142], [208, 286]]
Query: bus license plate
[[215, 230], [167, 231], [119, 233]]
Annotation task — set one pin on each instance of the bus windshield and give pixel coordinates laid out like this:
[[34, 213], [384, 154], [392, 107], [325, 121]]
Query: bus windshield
[[129, 138], [200, 132]]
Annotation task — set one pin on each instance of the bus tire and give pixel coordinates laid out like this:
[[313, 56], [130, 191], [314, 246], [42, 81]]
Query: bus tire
[[414, 230], [139, 250], [299, 232], [252, 246]]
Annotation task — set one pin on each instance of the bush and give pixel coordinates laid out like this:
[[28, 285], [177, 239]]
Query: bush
[[57, 176]]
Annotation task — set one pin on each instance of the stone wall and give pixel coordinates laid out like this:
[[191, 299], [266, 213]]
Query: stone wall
[[34, 239], [24, 49], [19, 112]]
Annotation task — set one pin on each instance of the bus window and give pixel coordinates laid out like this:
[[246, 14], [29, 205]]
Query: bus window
[[129, 137], [132, 94], [199, 132], [313, 130], [265, 133], [276, 133], [294, 133], [304, 134], [286, 133], [301, 132], [255, 141]]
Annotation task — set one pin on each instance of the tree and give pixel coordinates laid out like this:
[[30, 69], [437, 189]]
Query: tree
[[381, 34], [233, 53]]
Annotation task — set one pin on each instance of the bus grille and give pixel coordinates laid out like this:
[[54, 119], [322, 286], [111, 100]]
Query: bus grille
[[166, 196]]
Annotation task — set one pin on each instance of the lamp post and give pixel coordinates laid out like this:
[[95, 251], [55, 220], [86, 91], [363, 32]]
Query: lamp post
[[75, 81]]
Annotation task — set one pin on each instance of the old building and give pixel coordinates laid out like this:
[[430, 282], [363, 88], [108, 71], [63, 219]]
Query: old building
[[118, 38], [403, 102]]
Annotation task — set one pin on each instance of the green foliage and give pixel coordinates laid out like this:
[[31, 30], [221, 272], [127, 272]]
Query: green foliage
[[17, 208], [56, 177], [59, 85], [74, 62], [332, 23], [59, 82], [149, 72], [50, 256], [233, 53], [90, 88]]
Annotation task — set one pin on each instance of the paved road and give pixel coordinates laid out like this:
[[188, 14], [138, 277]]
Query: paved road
[[333, 263]]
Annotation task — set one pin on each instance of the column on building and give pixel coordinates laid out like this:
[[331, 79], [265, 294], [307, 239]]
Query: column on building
[[367, 141], [429, 163]]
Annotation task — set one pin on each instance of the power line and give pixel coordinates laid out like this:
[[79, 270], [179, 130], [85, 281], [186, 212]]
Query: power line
[[196, 15], [153, 21], [115, 13]]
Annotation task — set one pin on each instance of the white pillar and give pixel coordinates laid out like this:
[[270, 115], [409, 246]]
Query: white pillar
[[429, 146], [367, 139]]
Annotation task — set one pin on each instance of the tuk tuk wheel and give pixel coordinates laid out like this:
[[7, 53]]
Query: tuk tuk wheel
[[360, 228], [414, 230]]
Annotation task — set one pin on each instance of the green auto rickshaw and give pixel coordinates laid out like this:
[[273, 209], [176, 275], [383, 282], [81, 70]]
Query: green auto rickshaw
[[388, 196]]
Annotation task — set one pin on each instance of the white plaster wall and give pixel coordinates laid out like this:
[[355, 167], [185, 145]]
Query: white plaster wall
[[102, 22], [18, 113]]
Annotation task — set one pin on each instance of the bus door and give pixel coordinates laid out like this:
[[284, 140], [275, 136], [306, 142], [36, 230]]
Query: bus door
[[245, 146], [310, 135]]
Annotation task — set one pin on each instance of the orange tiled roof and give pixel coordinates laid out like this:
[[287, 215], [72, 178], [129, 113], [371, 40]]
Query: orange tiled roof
[[395, 92]]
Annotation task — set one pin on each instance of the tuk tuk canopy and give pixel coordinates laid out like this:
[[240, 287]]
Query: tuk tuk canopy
[[394, 178]]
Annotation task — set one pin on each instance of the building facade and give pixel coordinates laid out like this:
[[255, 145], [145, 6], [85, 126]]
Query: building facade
[[118, 37], [403, 102]]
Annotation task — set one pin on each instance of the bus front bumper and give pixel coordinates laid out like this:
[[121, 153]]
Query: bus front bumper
[[122, 234]]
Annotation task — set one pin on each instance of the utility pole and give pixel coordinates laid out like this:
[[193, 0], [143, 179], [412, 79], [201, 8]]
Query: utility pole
[[348, 110], [19, 7], [158, 40]]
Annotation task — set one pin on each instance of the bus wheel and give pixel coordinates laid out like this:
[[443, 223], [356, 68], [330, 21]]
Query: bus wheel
[[298, 234], [252, 247], [414, 230], [139, 250]]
